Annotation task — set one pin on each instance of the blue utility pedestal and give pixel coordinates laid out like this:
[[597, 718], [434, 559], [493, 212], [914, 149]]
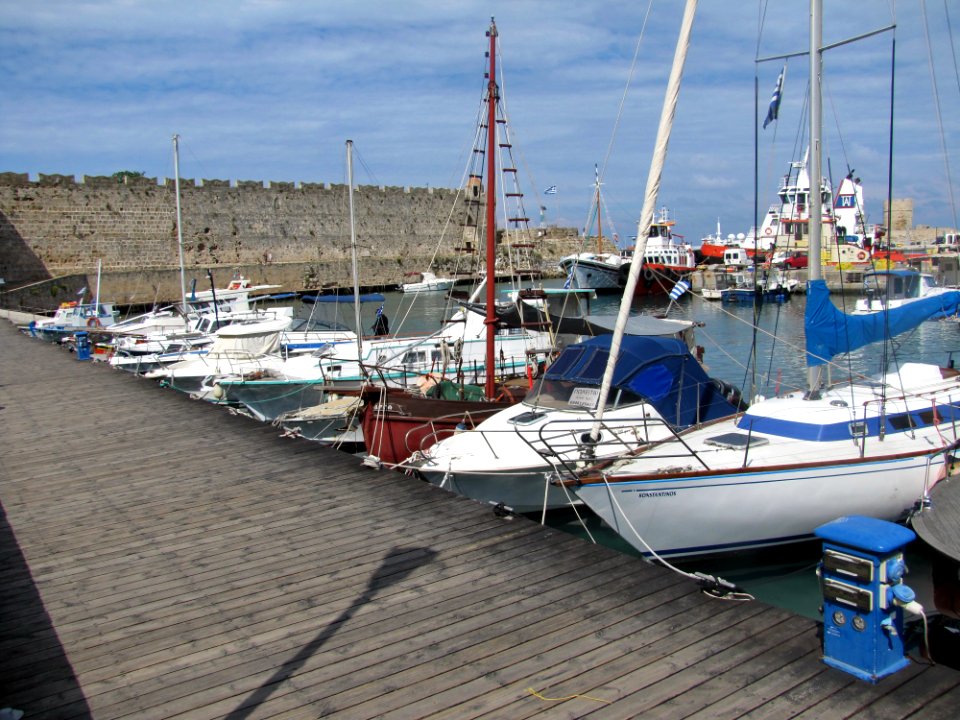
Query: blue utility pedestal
[[82, 342], [862, 574]]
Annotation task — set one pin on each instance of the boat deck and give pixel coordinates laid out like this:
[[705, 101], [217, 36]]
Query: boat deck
[[164, 558]]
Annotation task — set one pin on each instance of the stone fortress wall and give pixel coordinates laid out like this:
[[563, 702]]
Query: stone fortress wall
[[296, 235]]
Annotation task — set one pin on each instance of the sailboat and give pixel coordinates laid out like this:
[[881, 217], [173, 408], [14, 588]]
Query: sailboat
[[643, 379], [665, 262], [400, 421], [770, 475]]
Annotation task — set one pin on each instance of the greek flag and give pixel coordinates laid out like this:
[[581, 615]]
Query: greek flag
[[679, 289], [774, 109], [552, 190], [380, 311]]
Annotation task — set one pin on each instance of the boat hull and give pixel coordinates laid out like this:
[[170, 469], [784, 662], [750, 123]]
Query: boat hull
[[722, 513]]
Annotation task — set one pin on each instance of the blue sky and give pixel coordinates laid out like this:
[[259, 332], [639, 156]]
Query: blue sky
[[271, 89]]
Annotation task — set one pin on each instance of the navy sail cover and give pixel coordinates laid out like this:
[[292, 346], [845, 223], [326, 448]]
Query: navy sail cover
[[660, 370], [829, 331]]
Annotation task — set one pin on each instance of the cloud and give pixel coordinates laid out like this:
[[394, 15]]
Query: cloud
[[272, 89]]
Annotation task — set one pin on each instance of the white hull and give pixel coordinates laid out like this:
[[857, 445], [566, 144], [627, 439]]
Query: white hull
[[808, 462], [596, 272], [524, 490], [723, 513]]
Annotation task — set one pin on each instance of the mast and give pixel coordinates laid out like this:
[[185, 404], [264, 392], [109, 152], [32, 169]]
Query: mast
[[353, 250], [649, 203], [596, 172], [176, 185], [491, 237], [814, 272]]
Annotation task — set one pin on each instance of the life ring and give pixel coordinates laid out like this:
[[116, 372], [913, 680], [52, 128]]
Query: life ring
[[234, 285], [768, 231], [861, 255], [648, 275], [93, 322], [505, 394]]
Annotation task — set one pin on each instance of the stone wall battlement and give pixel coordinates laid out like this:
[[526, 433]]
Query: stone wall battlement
[[55, 225]]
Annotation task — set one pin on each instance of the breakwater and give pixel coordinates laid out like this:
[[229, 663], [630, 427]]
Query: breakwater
[[55, 230]]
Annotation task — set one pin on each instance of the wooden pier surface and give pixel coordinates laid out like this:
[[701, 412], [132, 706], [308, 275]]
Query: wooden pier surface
[[163, 558]]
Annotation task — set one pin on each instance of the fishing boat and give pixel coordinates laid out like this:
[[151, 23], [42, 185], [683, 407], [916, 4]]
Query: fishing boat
[[428, 282], [597, 270], [759, 285], [75, 316], [72, 317], [236, 349], [770, 475], [666, 260]]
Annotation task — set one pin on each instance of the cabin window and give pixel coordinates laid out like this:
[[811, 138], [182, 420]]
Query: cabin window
[[928, 417], [413, 357], [527, 418], [902, 422], [858, 429]]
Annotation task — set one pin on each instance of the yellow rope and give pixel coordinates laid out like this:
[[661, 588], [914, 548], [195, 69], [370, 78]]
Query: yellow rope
[[568, 697]]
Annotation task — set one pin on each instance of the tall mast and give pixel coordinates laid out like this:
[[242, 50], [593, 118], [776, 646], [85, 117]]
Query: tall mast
[[353, 249], [596, 172], [814, 272], [649, 203], [176, 185], [491, 237]]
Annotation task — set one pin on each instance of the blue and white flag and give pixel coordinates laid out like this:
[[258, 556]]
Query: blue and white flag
[[774, 109], [552, 190], [380, 311], [679, 289]]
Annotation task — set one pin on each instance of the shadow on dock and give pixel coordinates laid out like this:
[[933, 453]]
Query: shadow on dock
[[30, 650], [398, 563]]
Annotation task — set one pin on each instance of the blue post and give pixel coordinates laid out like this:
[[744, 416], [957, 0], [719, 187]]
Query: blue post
[[863, 595]]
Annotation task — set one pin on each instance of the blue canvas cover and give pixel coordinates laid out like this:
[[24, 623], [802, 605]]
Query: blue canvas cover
[[660, 370], [829, 331]]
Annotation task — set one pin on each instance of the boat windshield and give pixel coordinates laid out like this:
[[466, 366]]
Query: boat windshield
[[549, 392]]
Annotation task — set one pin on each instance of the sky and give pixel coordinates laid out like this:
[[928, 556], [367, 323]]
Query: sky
[[272, 89]]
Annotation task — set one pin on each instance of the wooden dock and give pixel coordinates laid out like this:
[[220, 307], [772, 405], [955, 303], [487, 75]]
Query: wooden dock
[[163, 558]]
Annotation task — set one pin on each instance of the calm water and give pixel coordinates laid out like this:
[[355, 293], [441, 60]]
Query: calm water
[[782, 577]]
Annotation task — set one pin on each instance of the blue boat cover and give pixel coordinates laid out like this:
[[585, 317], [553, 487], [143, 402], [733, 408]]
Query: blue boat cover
[[660, 370], [829, 331], [369, 297]]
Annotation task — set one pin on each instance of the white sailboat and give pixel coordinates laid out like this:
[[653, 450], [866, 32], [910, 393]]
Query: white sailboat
[[511, 457], [788, 464]]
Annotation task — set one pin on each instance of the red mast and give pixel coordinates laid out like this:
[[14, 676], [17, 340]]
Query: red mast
[[491, 235]]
